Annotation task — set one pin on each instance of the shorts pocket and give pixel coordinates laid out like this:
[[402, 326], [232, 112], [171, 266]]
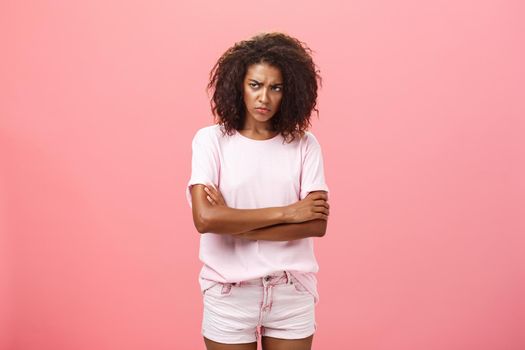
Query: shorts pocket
[[220, 289], [298, 286], [209, 288]]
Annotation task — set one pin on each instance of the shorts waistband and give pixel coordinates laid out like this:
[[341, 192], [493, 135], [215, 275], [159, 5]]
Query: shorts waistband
[[281, 277]]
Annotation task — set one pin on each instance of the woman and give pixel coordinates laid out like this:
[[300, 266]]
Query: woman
[[258, 197]]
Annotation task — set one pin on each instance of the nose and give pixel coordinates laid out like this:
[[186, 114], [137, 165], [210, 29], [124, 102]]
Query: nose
[[263, 98]]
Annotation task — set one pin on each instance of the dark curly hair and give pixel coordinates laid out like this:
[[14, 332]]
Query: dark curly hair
[[300, 76]]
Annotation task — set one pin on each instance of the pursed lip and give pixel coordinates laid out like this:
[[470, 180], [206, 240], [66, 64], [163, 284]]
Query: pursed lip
[[263, 108]]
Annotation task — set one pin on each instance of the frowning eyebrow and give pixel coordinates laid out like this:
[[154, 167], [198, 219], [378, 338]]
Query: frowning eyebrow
[[258, 82]]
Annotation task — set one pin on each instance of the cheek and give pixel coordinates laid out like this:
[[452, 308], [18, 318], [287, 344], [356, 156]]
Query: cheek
[[247, 97]]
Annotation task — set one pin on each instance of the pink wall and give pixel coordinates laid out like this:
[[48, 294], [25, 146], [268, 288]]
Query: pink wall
[[421, 125]]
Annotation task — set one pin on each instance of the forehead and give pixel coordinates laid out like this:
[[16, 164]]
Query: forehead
[[264, 72]]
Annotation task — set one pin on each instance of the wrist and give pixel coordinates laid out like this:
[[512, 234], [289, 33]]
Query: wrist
[[285, 214]]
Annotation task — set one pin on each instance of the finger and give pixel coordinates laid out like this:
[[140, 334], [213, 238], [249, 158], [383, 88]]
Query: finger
[[322, 210], [321, 203], [218, 199], [320, 195], [323, 195], [210, 193], [219, 196], [210, 200], [322, 216], [215, 193]]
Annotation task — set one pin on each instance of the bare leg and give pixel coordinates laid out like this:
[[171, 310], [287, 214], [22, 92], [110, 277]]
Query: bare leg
[[269, 343], [212, 345]]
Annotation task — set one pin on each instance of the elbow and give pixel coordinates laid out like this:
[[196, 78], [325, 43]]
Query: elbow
[[207, 221], [201, 222], [200, 227], [203, 225]]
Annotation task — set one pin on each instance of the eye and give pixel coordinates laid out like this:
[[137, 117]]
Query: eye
[[253, 85], [278, 88]]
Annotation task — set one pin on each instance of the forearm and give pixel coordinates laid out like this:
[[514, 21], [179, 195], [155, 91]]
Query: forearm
[[211, 214], [225, 220], [287, 232]]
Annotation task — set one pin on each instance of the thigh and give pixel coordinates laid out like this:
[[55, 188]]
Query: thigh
[[269, 343], [212, 345]]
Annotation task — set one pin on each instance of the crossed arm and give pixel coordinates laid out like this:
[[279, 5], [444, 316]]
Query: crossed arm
[[306, 218], [288, 232]]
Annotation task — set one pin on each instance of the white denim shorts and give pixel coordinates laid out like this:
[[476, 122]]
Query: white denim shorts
[[275, 305]]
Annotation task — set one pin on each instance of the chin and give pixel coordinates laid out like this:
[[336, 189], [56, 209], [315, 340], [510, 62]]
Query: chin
[[263, 119]]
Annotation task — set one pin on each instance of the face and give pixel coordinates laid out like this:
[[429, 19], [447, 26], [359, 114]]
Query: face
[[263, 92]]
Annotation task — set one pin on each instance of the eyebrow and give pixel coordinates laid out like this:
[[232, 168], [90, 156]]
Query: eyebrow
[[258, 82]]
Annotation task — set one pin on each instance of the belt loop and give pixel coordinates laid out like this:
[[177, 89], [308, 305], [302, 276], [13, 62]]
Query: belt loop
[[288, 277]]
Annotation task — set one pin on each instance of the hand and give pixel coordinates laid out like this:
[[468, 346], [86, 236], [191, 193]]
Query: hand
[[314, 206], [214, 196]]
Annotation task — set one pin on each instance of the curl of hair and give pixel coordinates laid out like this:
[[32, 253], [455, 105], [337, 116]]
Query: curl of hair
[[300, 77]]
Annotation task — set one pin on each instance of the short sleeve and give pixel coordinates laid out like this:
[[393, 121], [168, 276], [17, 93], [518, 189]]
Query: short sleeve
[[312, 172], [204, 161]]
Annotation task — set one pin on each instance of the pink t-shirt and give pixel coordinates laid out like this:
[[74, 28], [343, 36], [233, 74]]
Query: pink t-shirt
[[253, 174]]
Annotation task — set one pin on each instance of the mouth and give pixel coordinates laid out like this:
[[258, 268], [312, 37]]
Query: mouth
[[262, 110]]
